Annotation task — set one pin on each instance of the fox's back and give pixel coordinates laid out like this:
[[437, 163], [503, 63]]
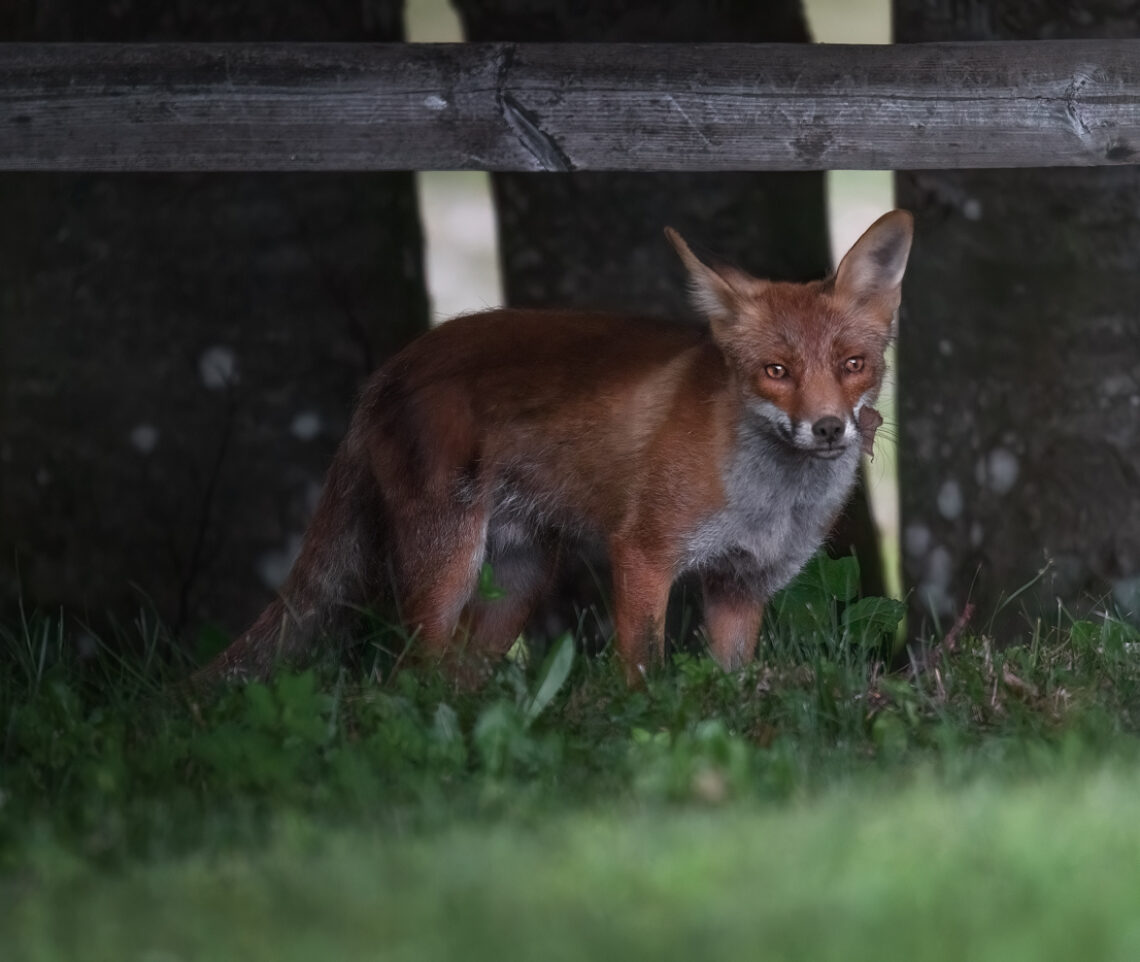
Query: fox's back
[[576, 407], [515, 362]]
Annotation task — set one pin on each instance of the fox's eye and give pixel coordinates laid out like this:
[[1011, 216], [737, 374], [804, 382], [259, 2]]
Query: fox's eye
[[776, 371], [853, 364]]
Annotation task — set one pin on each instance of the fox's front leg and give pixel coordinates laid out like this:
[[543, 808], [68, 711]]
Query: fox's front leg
[[733, 614], [641, 594]]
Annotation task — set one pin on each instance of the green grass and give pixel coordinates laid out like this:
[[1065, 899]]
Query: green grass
[[1045, 870], [816, 806]]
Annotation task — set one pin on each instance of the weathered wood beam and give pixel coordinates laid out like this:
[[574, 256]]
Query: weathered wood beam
[[185, 107]]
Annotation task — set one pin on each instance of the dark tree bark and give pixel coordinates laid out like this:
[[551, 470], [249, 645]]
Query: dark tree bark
[[180, 352], [1019, 380], [595, 239]]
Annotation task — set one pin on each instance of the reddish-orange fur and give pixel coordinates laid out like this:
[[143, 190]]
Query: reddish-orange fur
[[498, 437]]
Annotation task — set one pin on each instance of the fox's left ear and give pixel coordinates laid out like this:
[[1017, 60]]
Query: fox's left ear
[[873, 268]]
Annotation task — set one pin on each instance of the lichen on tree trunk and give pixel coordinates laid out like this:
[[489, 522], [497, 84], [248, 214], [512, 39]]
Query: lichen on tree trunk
[[1019, 378]]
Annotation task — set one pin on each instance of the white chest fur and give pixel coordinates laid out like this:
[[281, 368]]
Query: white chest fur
[[779, 502]]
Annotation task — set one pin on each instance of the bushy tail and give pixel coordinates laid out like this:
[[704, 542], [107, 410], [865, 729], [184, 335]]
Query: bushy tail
[[337, 570]]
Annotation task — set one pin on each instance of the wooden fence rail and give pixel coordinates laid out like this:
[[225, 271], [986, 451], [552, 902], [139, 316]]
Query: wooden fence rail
[[181, 107]]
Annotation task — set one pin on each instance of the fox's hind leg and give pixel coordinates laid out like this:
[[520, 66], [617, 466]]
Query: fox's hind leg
[[438, 553], [517, 576], [641, 595], [464, 619]]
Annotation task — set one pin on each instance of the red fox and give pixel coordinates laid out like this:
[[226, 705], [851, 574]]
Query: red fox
[[724, 449]]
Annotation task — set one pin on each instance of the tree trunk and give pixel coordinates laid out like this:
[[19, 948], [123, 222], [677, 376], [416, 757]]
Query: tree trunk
[[1019, 379], [595, 239], [181, 352]]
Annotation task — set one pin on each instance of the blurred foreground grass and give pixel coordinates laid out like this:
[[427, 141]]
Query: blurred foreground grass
[[1047, 869], [832, 801]]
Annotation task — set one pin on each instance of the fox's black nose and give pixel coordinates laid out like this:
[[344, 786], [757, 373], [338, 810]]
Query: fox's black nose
[[827, 430]]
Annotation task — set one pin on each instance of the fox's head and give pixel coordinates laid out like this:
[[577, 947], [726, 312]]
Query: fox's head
[[808, 358]]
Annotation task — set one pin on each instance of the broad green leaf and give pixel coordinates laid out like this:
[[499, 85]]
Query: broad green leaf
[[555, 671], [869, 619], [839, 577]]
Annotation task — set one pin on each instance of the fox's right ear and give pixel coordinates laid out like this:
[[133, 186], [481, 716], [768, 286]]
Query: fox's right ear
[[712, 293]]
